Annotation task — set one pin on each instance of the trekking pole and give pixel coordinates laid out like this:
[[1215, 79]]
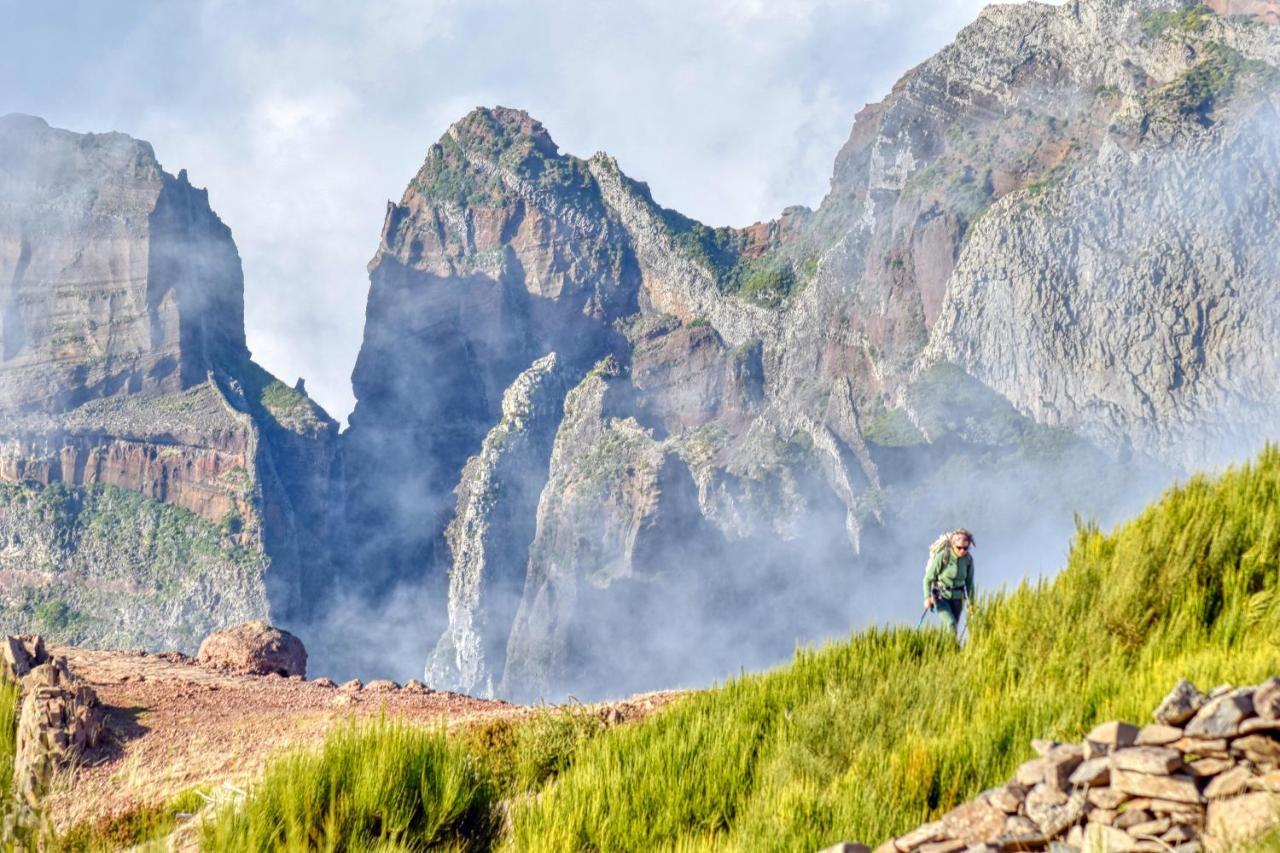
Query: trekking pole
[[924, 614]]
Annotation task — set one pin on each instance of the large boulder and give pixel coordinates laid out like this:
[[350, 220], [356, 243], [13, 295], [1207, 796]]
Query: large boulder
[[254, 647]]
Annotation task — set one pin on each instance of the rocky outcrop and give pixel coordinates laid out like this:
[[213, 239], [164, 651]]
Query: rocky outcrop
[[124, 371], [256, 648], [118, 278], [499, 253], [1211, 784], [620, 510], [489, 536], [59, 720]]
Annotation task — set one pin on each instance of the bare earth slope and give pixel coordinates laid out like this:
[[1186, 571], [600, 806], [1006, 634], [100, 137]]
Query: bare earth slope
[[174, 725]]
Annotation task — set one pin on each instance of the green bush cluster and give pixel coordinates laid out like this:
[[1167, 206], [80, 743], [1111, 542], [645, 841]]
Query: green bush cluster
[[1215, 78], [1187, 20]]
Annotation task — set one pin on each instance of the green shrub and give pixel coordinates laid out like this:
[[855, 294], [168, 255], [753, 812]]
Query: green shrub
[[1187, 20], [380, 785]]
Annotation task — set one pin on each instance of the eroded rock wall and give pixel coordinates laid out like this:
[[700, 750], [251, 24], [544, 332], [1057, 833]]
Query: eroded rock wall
[[158, 482]]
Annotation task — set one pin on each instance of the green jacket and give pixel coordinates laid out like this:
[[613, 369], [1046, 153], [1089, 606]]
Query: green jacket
[[953, 574]]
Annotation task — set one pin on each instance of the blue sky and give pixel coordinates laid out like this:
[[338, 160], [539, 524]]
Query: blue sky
[[302, 119]]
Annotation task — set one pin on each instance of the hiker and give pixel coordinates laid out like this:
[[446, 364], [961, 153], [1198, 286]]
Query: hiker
[[948, 579]]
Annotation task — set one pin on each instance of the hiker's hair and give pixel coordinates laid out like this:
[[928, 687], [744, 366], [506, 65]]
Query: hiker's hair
[[965, 533]]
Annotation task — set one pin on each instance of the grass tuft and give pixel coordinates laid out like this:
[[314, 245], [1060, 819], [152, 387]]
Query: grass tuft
[[378, 785]]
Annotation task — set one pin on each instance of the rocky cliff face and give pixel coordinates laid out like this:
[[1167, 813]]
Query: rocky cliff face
[[160, 483], [1039, 277]]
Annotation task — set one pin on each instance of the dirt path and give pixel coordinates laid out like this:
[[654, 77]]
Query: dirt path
[[173, 725]]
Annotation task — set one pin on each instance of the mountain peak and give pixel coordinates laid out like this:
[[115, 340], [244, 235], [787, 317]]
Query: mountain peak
[[491, 131]]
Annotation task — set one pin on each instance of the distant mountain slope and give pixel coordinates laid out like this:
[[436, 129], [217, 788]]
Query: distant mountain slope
[[158, 483]]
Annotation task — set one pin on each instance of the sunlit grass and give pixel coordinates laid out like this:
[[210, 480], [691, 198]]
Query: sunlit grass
[[866, 739], [382, 785]]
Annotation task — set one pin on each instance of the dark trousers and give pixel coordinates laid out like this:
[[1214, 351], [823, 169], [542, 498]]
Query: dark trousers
[[950, 610]]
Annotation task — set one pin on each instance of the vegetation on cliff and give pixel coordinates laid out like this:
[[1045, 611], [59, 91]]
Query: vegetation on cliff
[[93, 543]]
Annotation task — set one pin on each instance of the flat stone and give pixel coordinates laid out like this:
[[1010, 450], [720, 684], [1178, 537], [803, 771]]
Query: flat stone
[[1062, 847], [1178, 787], [1019, 825], [1075, 836], [1045, 795], [382, 685], [1060, 763], [1113, 734], [1259, 749], [325, 682], [1093, 749], [1201, 747], [1233, 782], [1190, 812], [925, 834], [1107, 798], [1157, 735], [974, 822], [1030, 773], [1221, 717], [949, 846], [1238, 819], [1266, 782], [1018, 843], [353, 686], [1206, 767], [1093, 773], [1179, 833], [1043, 747], [1156, 760], [1182, 703], [1150, 829], [1266, 699], [1054, 819], [847, 847], [1189, 847], [1107, 816], [1100, 838], [1258, 724], [1131, 817], [1008, 798]]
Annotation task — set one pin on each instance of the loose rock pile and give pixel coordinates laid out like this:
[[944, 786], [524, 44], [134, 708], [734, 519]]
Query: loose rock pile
[[1204, 776], [60, 716]]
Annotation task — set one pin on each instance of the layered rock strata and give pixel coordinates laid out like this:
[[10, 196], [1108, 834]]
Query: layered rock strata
[[124, 371]]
